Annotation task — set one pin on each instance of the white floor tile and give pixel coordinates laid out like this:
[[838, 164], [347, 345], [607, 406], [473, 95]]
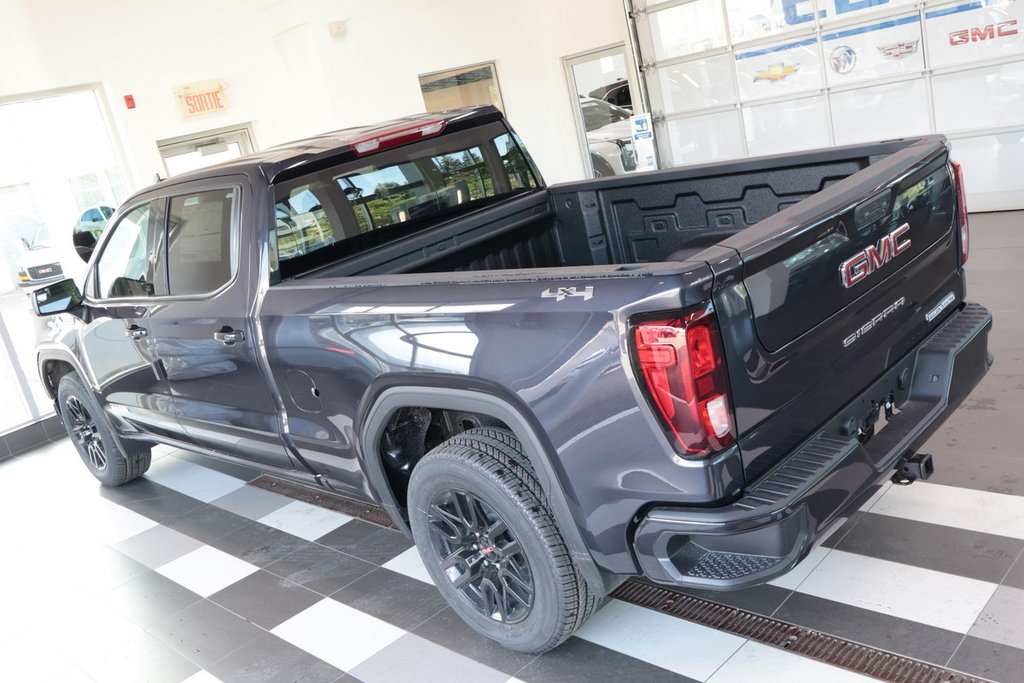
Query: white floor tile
[[990, 513], [901, 590], [206, 570], [338, 634], [202, 676], [797, 574], [686, 648], [410, 564], [754, 662], [111, 523], [192, 480], [304, 520]]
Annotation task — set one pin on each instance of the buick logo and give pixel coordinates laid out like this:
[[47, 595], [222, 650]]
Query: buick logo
[[867, 261], [843, 59]]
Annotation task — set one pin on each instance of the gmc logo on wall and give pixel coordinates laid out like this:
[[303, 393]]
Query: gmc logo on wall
[[859, 266], [974, 35]]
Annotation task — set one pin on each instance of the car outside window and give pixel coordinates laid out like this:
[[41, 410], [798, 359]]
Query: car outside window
[[199, 255], [125, 269]]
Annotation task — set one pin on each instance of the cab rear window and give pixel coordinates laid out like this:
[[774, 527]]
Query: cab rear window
[[361, 204]]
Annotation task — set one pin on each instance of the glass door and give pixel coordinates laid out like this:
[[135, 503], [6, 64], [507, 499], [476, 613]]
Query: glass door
[[602, 95], [200, 150]]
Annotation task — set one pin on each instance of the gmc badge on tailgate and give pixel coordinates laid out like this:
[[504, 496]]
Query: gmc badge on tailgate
[[867, 261]]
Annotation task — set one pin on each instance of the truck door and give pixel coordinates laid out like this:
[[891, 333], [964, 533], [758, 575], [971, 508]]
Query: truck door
[[120, 293], [201, 328]]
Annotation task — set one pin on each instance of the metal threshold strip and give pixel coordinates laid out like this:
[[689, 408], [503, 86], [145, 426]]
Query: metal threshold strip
[[862, 659]]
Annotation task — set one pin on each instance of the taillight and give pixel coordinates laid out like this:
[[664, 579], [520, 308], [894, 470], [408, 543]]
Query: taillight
[[392, 137], [961, 206], [681, 365]]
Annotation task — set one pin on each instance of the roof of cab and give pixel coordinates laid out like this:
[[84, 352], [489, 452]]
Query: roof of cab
[[290, 156]]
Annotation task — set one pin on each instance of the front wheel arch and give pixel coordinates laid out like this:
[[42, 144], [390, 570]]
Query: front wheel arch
[[375, 419]]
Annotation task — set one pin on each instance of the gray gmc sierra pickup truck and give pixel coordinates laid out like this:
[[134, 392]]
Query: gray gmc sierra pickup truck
[[682, 375]]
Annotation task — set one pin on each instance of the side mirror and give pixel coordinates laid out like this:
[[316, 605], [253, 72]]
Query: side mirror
[[60, 297], [85, 243]]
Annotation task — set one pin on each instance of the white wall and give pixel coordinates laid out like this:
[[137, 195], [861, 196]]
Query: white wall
[[288, 76]]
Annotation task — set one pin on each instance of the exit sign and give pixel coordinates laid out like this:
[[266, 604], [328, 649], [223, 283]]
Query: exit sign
[[201, 98]]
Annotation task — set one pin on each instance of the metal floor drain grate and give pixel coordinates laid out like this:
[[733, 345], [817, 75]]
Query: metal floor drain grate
[[847, 654], [325, 499], [807, 642]]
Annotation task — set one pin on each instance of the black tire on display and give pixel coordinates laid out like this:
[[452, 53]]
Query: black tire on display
[[488, 538], [111, 461]]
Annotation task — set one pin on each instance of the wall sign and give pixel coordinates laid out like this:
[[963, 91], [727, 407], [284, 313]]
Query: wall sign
[[201, 97]]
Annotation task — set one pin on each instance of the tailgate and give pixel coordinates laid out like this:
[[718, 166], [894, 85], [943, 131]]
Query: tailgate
[[838, 288]]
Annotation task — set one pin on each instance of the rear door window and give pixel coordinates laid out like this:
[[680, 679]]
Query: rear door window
[[199, 253]]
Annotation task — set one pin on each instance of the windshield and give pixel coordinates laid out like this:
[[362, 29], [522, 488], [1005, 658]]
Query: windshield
[[354, 206]]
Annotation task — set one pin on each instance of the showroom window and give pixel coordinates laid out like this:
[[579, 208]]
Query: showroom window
[[59, 169], [735, 78], [463, 87]]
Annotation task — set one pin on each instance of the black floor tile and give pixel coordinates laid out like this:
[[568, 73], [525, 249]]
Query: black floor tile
[[1015, 577], [206, 523], [910, 638], [989, 660], [448, 630], [259, 544], [581, 661], [265, 599], [954, 551], [268, 658], [151, 499], [205, 632], [54, 429], [392, 597], [149, 599], [25, 438], [320, 569], [367, 541]]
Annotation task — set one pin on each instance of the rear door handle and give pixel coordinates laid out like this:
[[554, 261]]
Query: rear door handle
[[136, 332], [228, 336]]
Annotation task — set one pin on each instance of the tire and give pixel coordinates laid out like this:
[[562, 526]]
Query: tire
[[486, 534], [108, 457]]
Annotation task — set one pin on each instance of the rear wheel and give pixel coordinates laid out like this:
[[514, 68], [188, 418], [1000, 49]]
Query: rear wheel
[[109, 459], [488, 539]]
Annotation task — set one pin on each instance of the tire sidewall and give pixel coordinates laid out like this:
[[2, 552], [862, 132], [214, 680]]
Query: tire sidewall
[[438, 474]]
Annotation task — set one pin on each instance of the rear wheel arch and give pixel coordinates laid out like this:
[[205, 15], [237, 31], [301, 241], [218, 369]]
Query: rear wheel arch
[[388, 402]]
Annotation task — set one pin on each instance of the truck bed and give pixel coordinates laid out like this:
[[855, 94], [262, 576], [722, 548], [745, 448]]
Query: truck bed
[[668, 215]]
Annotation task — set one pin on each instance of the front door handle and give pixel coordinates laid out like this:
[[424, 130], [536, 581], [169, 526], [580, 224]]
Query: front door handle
[[136, 332], [228, 336]]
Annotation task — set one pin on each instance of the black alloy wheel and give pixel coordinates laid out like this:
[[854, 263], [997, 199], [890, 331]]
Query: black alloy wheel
[[86, 433], [481, 556], [112, 459], [487, 537]]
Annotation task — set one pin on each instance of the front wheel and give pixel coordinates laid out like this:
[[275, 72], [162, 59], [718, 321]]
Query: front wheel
[[487, 537], [110, 460]]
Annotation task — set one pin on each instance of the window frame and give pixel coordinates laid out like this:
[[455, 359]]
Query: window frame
[[165, 195], [92, 281]]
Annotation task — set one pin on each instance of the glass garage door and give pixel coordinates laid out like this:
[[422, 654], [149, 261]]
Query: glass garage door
[[736, 78]]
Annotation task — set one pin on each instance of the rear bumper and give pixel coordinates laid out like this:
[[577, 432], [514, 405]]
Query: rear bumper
[[775, 523]]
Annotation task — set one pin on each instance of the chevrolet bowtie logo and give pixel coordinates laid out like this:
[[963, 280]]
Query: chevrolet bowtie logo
[[776, 72]]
